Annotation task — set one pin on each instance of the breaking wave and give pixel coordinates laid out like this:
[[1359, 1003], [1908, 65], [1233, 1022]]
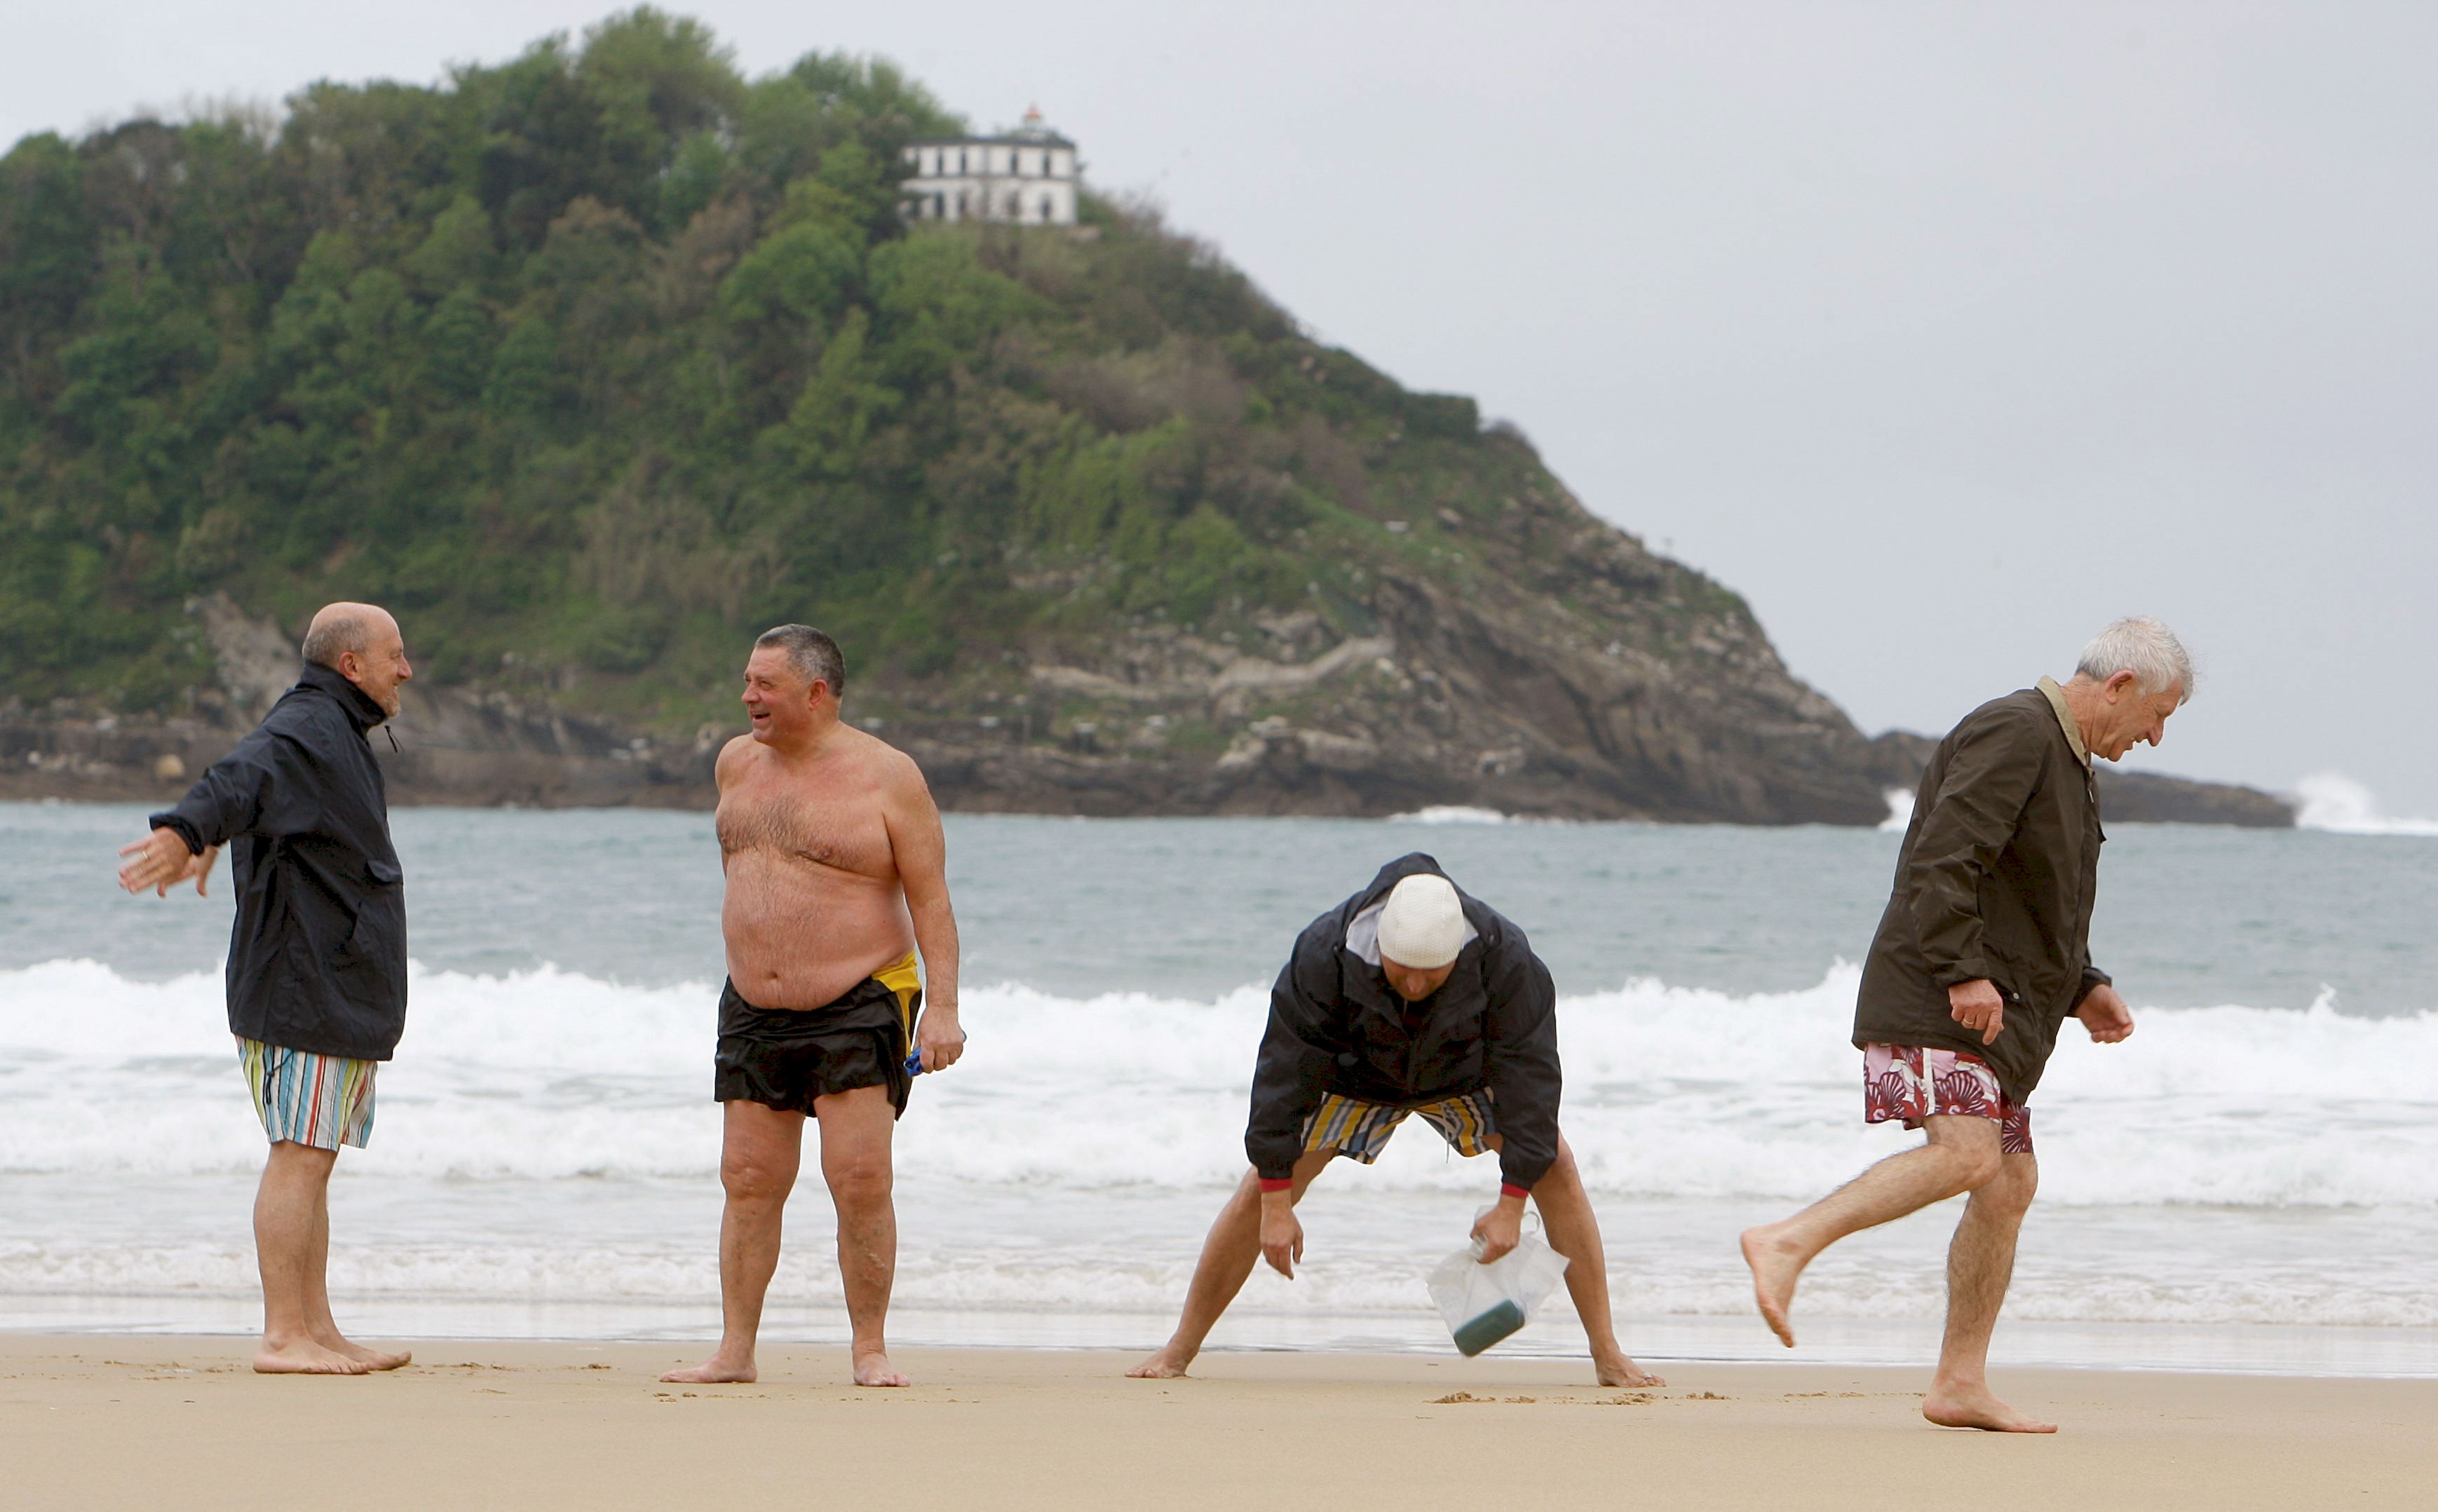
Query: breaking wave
[[2340, 805]]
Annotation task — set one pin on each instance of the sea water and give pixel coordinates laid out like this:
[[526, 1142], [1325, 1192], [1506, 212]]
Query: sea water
[[2249, 1182]]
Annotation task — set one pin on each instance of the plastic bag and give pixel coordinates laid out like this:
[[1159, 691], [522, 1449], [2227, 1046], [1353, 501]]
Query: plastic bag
[[1484, 1304]]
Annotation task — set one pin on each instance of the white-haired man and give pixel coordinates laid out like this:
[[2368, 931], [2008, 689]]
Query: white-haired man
[[1981, 954], [1407, 998]]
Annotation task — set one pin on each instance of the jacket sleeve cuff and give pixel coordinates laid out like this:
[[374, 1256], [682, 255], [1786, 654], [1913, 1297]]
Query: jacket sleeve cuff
[[185, 829], [1278, 1184], [1522, 1174], [1970, 969], [1508, 1188]]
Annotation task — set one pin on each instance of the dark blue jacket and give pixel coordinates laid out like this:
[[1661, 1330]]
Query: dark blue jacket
[[1336, 1025], [317, 959]]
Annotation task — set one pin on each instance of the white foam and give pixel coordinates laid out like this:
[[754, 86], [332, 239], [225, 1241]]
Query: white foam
[[1672, 1091], [1900, 801], [2335, 803], [1450, 814], [550, 1135]]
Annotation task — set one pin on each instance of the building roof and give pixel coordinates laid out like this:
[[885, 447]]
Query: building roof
[[1034, 132]]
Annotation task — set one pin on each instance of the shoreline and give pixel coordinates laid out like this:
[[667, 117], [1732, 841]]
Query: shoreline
[[115, 1419], [2250, 1351]]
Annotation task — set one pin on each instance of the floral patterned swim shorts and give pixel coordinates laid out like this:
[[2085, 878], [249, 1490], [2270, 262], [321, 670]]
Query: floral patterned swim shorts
[[1911, 1082]]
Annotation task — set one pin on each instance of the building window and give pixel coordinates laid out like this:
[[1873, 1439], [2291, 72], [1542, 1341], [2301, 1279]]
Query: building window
[[1049, 206]]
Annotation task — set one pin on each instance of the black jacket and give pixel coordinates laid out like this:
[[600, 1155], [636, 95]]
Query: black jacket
[[317, 959], [1335, 1025], [1995, 881]]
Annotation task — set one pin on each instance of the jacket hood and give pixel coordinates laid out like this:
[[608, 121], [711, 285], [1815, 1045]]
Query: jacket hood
[[1412, 865], [357, 703]]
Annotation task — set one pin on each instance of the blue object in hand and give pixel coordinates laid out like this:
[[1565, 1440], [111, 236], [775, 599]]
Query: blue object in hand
[[914, 1064]]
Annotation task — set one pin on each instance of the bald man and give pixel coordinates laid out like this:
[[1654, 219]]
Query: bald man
[[317, 957]]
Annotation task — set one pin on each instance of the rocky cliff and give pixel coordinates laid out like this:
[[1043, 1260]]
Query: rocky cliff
[[1515, 703]]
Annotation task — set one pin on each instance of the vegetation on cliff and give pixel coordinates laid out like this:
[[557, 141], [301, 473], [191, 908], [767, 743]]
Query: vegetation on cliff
[[589, 362]]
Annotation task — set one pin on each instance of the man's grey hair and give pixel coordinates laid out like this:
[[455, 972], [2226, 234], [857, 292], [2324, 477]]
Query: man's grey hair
[[2144, 647], [815, 656], [334, 636]]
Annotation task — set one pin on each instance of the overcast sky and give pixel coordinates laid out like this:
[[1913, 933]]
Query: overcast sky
[[1943, 333]]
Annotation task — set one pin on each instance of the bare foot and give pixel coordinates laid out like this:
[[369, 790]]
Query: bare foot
[[1969, 1408], [302, 1357], [369, 1359], [715, 1371], [1624, 1372], [1161, 1364], [873, 1370], [1776, 1264]]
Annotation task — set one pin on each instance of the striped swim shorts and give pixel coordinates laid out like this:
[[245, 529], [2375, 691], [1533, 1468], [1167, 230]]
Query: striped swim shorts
[[321, 1100], [1360, 1130]]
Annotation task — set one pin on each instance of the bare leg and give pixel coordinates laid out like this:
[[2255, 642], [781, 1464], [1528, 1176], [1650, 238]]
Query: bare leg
[[855, 1131], [1959, 1155], [1980, 1261], [760, 1149], [1227, 1258], [292, 1243], [1574, 1232], [324, 1327]]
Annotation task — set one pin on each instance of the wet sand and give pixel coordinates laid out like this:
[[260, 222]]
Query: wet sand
[[143, 1421]]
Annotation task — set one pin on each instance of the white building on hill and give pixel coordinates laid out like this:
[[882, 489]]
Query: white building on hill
[[1026, 178]]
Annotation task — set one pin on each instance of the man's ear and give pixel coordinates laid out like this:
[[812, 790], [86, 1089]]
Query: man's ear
[[2119, 685]]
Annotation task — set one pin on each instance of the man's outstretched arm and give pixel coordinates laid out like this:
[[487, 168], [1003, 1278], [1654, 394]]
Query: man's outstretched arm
[[227, 802]]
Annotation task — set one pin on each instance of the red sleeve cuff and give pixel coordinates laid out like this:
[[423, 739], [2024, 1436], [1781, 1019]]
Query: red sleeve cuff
[[1508, 1188], [1278, 1184]]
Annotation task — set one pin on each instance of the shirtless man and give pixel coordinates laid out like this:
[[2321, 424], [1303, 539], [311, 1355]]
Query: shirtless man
[[836, 873]]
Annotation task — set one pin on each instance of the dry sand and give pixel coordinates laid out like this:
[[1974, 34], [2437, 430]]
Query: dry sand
[[144, 1422]]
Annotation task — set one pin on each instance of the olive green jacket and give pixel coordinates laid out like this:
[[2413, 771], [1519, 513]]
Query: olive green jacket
[[1995, 880]]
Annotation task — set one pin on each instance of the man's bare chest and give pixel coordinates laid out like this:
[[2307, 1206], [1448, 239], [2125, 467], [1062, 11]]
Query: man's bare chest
[[827, 829]]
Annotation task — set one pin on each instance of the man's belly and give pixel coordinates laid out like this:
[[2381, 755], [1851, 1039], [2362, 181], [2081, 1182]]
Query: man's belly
[[800, 936]]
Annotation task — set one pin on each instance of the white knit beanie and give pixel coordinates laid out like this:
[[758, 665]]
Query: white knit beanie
[[1422, 926]]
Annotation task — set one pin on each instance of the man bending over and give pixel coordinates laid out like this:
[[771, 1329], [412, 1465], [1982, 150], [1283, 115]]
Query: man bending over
[[1983, 954], [836, 873], [1409, 997]]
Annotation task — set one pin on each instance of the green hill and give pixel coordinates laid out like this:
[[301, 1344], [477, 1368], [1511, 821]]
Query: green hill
[[588, 362], [592, 363]]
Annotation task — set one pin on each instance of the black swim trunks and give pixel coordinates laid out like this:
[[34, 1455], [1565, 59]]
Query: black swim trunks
[[786, 1057]]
